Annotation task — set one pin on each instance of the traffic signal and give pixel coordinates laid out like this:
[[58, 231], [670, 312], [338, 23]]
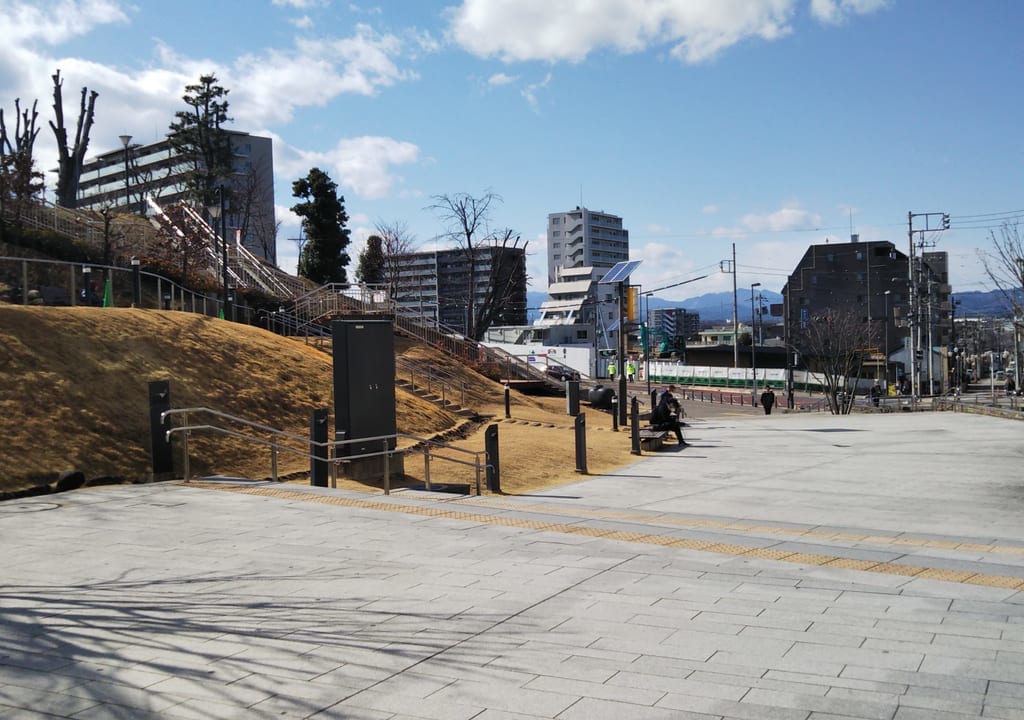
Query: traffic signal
[[945, 221], [633, 304]]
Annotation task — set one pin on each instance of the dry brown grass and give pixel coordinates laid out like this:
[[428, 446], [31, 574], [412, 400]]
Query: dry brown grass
[[74, 396]]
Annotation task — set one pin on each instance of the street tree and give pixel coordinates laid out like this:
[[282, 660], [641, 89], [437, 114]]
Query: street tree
[[371, 262], [323, 258], [199, 138], [70, 159], [20, 182], [466, 219], [833, 343]]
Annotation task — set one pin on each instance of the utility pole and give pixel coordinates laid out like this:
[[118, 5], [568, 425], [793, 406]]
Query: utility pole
[[931, 224], [731, 265]]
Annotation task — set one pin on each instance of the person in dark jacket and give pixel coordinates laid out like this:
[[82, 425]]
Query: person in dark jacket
[[665, 416], [768, 400]]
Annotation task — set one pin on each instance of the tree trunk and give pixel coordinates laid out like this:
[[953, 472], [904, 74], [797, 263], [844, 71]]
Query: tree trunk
[[69, 166]]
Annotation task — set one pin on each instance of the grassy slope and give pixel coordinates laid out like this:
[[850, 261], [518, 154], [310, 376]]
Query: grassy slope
[[73, 390]]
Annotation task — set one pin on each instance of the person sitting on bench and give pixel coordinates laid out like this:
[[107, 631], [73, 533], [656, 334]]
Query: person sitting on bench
[[666, 416]]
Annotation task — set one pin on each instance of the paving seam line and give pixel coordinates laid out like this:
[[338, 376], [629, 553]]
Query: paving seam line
[[887, 568]]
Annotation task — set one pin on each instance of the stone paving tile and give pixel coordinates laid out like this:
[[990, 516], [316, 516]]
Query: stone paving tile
[[881, 708], [594, 709], [684, 686], [730, 709]]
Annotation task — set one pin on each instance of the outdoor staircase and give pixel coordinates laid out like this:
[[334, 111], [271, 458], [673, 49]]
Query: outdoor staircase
[[305, 310]]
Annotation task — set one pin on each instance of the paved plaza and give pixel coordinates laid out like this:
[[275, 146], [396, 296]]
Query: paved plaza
[[796, 566]]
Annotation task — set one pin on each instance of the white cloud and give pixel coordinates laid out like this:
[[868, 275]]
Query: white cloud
[[501, 79], [299, 4], [303, 23], [361, 165], [834, 12], [786, 219], [55, 22], [523, 30], [709, 209], [530, 91]]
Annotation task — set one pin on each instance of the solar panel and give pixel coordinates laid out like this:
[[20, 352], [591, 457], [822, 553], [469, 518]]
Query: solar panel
[[619, 272]]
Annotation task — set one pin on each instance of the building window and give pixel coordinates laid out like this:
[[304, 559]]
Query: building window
[[556, 233], [581, 334], [554, 245], [556, 221]]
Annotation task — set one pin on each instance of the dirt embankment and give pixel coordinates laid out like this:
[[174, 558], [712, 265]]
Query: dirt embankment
[[74, 397]]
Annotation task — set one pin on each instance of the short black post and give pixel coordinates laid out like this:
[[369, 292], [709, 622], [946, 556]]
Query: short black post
[[318, 448], [572, 398], [493, 474], [136, 283], [508, 401], [634, 425], [615, 413], [623, 391], [654, 399], [580, 426], [160, 402]]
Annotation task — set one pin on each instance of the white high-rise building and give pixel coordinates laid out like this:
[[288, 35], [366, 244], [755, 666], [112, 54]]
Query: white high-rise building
[[582, 246], [585, 238]]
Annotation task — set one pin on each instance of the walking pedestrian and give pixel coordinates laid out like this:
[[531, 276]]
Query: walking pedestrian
[[768, 400]]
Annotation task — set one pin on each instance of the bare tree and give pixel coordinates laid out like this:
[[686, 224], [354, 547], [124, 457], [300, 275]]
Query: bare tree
[[69, 167], [505, 299], [1004, 266], [395, 242], [467, 221], [249, 199], [834, 343], [20, 182]]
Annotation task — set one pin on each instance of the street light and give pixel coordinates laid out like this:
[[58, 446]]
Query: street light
[[753, 343], [125, 139], [217, 211], [886, 348]]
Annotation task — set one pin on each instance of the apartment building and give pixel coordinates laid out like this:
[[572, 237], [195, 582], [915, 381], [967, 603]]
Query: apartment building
[[444, 285], [123, 179]]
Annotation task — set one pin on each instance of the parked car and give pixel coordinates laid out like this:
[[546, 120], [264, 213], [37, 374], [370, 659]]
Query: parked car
[[562, 373]]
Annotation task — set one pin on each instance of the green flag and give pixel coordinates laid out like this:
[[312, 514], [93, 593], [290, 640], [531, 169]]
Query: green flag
[[108, 294]]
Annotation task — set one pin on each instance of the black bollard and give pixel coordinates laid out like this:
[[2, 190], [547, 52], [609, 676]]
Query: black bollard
[[159, 402], [508, 401], [493, 474], [623, 391], [615, 413], [572, 398], [318, 448], [654, 399], [580, 426], [634, 425]]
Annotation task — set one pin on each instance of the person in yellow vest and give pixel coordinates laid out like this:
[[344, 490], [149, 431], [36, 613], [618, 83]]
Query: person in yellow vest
[[611, 369], [631, 370]]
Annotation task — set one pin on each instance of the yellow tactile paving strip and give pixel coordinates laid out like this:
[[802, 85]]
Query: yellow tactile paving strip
[[447, 512], [802, 533]]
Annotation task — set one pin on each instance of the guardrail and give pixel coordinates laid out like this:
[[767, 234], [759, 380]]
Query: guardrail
[[277, 441]]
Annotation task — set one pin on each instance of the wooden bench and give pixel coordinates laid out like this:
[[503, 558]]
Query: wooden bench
[[651, 439]]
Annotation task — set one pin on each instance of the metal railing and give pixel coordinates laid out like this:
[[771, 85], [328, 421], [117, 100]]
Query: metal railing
[[430, 376], [277, 441]]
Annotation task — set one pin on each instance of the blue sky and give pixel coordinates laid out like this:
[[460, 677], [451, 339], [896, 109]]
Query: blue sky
[[771, 124]]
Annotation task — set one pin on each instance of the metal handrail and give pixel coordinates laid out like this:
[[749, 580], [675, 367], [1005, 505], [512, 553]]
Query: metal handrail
[[421, 445], [445, 380]]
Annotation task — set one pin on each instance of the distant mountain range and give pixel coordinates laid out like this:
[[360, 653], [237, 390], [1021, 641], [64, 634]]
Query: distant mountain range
[[717, 307]]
